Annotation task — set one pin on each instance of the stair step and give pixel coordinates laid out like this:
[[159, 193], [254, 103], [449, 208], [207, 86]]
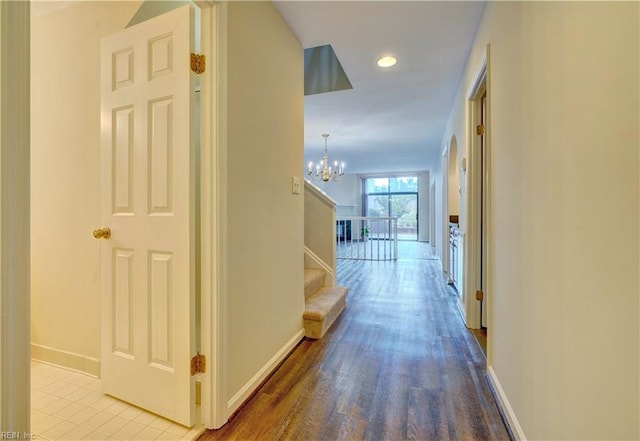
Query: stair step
[[313, 281], [322, 309]]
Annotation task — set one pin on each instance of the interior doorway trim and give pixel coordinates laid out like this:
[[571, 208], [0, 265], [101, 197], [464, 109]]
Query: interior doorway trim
[[213, 214], [432, 214], [14, 216], [444, 173], [474, 176]]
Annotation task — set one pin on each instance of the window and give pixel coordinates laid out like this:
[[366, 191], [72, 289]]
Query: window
[[393, 197]]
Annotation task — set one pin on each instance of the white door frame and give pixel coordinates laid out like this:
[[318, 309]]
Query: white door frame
[[474, 177], [444, 172], [432, 214], [14, 216], [213, 178]]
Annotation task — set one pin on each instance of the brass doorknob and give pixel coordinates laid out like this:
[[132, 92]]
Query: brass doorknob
[[102, 233]]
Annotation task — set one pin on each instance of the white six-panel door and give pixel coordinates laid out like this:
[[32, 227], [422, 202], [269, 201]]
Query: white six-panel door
[[147, 165]]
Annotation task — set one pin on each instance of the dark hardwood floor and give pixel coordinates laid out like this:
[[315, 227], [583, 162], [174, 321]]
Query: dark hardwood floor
[[398, 364]]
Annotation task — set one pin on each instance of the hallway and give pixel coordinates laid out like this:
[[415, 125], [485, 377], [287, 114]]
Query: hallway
[[398, 364]]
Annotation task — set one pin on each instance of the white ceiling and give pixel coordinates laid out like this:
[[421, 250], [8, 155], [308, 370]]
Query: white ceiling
[[393, 119]]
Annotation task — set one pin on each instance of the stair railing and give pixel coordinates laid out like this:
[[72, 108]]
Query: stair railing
[[367, 238]]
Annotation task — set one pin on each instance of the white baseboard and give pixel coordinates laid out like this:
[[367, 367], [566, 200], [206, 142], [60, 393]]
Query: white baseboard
[[68, 360], [245, 392], [312, 260], [505, 407]]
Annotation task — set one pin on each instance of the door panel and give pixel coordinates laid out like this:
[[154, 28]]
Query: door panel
[[148, 263]]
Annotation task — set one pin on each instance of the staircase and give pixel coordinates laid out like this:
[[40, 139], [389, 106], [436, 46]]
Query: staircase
[[323, 304]]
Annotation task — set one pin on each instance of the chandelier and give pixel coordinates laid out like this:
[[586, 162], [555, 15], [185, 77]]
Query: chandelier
[[323, 171]]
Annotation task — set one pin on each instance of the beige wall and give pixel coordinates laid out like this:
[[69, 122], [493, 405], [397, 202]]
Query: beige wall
[[65, 179], [265, 220], [564, 283]]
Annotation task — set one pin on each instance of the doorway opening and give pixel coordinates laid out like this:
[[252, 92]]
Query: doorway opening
[[72, 205], [478, 206]]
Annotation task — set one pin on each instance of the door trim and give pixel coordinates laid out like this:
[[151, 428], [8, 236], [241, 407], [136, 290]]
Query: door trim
[[213, 214], [14, 216], [473, 246], [432, 214], [444, 173]]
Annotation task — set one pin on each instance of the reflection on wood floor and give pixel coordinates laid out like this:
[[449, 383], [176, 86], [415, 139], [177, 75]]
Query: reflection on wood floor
[[398, 364]]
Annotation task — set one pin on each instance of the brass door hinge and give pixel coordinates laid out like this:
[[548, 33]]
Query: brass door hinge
[[479, 296], [198, 364], [198, 63], [480, 129]]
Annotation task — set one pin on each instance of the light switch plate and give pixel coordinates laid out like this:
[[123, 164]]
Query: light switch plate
[[295, 185]]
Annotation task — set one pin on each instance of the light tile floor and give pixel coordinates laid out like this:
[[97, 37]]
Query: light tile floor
[[67, 405]]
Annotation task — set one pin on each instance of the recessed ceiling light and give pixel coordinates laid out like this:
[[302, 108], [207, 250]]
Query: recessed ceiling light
[[387, 61]]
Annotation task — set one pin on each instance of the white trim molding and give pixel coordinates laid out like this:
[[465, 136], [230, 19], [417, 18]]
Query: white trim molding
[[245, 391], [473, 204], [14, 216], [505, 407], [213, 214], [67, 360], [444, 233]]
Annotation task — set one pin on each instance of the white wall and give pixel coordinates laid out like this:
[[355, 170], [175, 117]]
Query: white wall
[[265, 220], [65, 180], [564, 275]]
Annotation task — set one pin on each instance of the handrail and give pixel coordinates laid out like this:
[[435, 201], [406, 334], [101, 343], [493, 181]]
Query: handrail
[[315, 190], [367, 238]]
